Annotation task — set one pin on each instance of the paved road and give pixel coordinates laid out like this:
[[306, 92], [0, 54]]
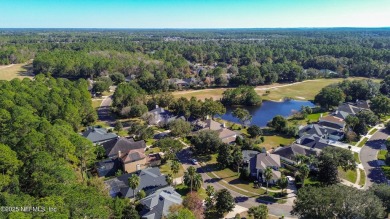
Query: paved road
[[368, 157], [104, 113], [241, 200]]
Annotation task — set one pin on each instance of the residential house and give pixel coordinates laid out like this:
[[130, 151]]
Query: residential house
[[347, 109], [98, 135], [160, 116], [225, 134], [120, 144], [314, 142], [322, 131], [264, 160], [157, 204], [332, 121], [134, 160], [289, 153], [249, 161], [151, 180], [180, 83]]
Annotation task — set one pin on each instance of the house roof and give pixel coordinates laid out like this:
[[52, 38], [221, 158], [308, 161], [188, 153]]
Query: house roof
[[150, 180], [315, 129], [107, 167], [133, 155], [124, 145], [96, 134], [210, 124], [264, 160], [291, 151], [249, 157], [332, 121], [313, 141], [158, 203], [226, 133]]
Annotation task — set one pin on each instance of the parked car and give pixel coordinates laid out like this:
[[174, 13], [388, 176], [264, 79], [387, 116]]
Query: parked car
[[194, 161], [290, 179]]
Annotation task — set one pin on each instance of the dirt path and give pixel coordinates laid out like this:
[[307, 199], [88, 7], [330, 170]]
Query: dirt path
[[6, 66]]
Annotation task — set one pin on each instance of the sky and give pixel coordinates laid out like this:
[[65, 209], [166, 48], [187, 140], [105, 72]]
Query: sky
[[193, 13]]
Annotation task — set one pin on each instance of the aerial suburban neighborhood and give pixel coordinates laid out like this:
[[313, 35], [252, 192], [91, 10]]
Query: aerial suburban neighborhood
[[195, 109]]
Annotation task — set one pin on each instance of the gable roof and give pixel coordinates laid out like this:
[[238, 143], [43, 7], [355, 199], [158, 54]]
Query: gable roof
[[159, 202], [96, 134], [322, 131], [124, 145], [291, 151], [133, 155], [332, 121], [150, 180], [264, 160], [313, 141]]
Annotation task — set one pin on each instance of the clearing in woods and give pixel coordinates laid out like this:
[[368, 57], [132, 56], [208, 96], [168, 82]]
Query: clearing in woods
[[9, 72]]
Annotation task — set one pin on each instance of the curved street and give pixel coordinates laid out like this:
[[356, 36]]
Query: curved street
[[368, 157]]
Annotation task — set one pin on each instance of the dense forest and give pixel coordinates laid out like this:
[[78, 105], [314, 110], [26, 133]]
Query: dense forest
[[43, 160], [214, 57]]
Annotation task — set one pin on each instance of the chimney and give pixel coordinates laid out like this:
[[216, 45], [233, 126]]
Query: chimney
[[156, 106], [119, 154]]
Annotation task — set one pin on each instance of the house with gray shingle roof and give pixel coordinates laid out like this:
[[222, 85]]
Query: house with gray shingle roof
[[289, 153], [98, 135], [264, 160], [314, 142], [225, 134], [151, 179], [157, 204], [322, 131], [249, 161], [120, 144]]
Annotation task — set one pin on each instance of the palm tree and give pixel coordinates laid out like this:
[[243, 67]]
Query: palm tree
[[303, 170], [190, 176], [267, 175], [133, 182], [197, 181], [175, 167], [259, 212], [210, 191], [283, 183]]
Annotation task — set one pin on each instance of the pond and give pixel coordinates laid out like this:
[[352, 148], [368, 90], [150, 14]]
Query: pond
[[261, 115]]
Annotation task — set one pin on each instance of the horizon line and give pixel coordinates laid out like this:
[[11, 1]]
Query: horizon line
[[199, 28]]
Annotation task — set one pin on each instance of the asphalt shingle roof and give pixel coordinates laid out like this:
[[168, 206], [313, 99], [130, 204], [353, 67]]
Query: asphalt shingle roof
[[96, 135], [124, 145]]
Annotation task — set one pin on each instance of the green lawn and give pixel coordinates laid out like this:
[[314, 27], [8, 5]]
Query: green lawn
[[356, 156], [150, 141], [274, 141], [363, 142], [382, 154], [311, 181], [183, 190], [372, 131], [96, 103], [166, 168], [152, 150], [102, 124], [16, 71], [362, 177], [349, 175]]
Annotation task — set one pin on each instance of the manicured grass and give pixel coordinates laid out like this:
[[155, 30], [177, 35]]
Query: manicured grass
[[16, 71], [362, 143], [150, 141], [230, 176], [356, 156], [275, 141], [349, 175], [152, 150], [122, 133], [102, 124], [316, 116], [312, 181], [300, 91], [183, 190], [166, 168], [372, 131], [96, 103], [362, 177], [382, 154]]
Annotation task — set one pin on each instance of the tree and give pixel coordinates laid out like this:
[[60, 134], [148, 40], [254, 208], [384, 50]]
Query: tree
[[243, 95], [329, 97], [336, 201], [169, 146], [237, 158], [283, 183], [224, 201], [194, 203], [210, 191], [278, 123], [169, 179], [327, 170], [303, 170], [192, 179], [243, 115], [180, 127], [182, 213], [118, 126], [117, 78], [254, 131], [382, 191], [206, 142], [100, 87], [130, 213], [9, 164], [380, 105], [224, 157], [133, 181], [175, 167], [258, 212], [268, 176], [141, 194], [351, 121]]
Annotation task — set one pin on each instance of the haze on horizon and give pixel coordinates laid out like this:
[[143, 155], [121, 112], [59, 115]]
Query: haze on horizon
[[194, 13]]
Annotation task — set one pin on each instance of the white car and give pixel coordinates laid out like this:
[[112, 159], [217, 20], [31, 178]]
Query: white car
[[290, 179], [194, 161]]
